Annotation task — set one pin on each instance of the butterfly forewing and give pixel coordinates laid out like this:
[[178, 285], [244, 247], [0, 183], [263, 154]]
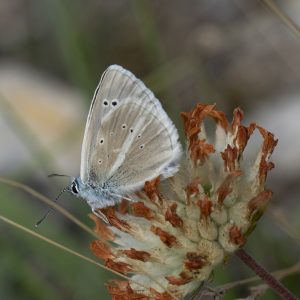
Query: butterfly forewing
[[116, 85], [128, 137]]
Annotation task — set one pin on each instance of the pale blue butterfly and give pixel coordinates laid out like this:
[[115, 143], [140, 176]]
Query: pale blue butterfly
[[128, 140]]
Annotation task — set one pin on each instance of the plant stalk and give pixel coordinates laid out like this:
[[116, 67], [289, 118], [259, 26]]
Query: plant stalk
[[267, 277]]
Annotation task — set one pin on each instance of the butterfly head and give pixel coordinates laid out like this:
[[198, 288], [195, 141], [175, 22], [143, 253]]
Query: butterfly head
[[76, 186], [96, 197], [81, 189]]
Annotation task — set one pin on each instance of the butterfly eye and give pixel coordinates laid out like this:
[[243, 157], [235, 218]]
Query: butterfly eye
[[74, 188], [105, 103]]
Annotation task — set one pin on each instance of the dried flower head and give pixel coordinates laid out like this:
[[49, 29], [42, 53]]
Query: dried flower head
[[174, 234]]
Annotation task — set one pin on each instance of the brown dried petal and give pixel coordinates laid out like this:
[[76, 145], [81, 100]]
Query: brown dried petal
[[102, 250], [199, 151], [160, 296], [172, 216], [121, 290], [192, 189], [230, 156], [194, 261], [114, 220], [205, 207], [238, 116], [136, 254], [268, 146], [139, 209], [193, 134], [151, 189], [101, 229], [242, 136], [123, 207], [194, 118], [220, 118], [264, 168], [235, 236], [269, 141], [167, 238], [120, 267], [183, 279], [260, 201], [224, 189]]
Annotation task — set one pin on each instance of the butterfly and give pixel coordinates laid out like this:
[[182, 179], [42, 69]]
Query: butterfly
[[128, 139]]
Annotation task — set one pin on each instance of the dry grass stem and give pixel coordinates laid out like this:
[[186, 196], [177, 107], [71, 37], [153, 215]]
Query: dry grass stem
[[273, 7], [64, 248], [49, 202]]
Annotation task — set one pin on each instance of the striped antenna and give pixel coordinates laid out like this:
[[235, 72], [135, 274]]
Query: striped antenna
[[67, 188]]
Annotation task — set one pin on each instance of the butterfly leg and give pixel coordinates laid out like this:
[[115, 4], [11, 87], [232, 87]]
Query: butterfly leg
[[100, 215]]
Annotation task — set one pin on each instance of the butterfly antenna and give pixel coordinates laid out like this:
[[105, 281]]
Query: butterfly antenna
[[58, 175], [51, 209]]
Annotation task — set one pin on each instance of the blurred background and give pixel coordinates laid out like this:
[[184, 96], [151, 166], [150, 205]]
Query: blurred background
[[52, 54]]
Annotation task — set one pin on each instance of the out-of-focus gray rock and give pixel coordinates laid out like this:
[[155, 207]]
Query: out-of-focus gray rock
[[41, 120]]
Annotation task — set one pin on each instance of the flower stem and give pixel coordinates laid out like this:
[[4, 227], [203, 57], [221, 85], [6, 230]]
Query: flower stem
[[268, 278]]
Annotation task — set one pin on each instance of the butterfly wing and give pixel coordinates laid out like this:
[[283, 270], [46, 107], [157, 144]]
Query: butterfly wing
[[128, 137]]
